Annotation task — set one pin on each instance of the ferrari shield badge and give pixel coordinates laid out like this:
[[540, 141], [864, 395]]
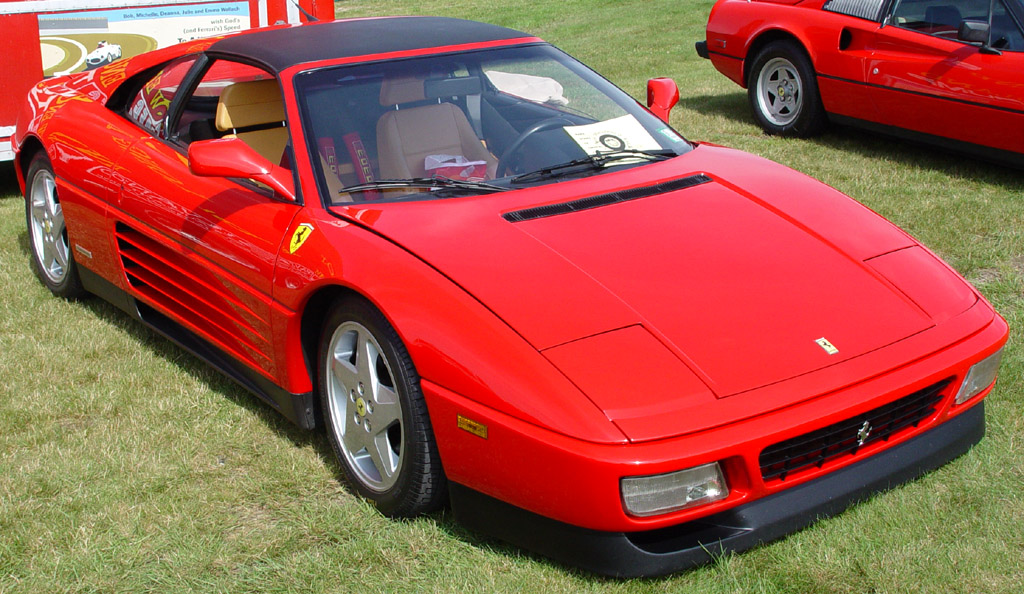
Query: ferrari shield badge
[[827, 346], [299, 237]]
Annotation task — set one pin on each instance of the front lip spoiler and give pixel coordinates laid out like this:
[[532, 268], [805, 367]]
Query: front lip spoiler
[[662, 551]]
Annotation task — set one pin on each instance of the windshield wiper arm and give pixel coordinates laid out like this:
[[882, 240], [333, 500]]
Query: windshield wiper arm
[[424, 182], [592, 162]]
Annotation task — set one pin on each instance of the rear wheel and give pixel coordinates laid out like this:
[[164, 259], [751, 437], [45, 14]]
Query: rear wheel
[[376, 417], [48, 236], [783, 91]]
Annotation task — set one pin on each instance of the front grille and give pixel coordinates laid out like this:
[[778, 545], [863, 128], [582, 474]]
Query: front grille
[[814, 449]]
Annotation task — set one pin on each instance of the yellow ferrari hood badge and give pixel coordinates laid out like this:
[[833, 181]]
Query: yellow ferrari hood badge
[[299, 237], [827, 346]]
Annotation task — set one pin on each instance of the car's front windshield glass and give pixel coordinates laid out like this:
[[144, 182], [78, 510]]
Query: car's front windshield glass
[[470, 123]]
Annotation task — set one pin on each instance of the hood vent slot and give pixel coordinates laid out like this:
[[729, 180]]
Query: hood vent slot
[[550, 210]]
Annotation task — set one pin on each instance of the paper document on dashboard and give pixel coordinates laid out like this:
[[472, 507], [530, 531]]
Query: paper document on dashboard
[[617, 134]]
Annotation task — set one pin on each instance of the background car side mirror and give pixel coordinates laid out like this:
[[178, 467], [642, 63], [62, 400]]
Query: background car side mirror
[[976, 32], [231, 157], [662, 96]]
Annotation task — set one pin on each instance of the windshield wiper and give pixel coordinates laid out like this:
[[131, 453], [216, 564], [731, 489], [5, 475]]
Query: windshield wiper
[[592, 162], [424, 182]]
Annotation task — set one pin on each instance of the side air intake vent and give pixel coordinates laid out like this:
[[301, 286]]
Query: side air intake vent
[[551, 210], [174, 284]]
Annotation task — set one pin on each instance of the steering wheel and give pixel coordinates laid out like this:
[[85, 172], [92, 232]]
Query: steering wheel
[[517, 144]]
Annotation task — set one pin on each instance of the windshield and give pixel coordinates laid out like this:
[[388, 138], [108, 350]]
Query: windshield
[[470, 123]]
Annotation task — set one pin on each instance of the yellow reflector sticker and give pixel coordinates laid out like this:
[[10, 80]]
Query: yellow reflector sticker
[[477, 429]]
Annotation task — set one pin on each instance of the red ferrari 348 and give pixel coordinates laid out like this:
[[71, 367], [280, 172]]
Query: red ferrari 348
[[494, 279], [944, 72]]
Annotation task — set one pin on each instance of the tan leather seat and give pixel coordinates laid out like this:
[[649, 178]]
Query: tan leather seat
[[253, 104], [405, 137]]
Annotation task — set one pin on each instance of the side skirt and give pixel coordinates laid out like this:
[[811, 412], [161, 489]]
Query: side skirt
[[987, 153], [297, 408]]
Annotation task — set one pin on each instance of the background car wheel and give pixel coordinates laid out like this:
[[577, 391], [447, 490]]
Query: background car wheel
[[376, 417], [48, 236], [783, 91]]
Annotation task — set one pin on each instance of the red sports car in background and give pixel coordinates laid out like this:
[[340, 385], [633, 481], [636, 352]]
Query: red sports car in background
[[946, 72], [495, 279]]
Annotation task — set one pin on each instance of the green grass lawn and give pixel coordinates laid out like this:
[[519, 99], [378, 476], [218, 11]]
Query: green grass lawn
[[126, 465]]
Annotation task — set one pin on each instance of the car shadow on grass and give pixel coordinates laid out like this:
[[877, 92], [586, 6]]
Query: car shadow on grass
[[8, 181], [732, 106], [873, 146], [215, 381], [161, 347]]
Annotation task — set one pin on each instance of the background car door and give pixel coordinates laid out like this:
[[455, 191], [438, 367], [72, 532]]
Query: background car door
[[928, 81], [200, 250], [842, 67]]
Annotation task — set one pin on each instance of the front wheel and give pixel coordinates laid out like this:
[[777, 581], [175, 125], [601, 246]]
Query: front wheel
[[47, 234], [783, 91], [376, 417]]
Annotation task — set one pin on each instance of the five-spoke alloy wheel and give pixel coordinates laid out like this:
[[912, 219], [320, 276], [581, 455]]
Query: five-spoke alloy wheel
[[48, 237], [376, 417], [783, 91]]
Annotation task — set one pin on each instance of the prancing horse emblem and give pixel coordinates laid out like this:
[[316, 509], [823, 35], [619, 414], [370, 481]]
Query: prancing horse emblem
[[862, 435], [827, 346]]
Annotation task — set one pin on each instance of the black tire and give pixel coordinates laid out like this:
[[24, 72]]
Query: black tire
[[783, 91], [52, 257], [370, 396]]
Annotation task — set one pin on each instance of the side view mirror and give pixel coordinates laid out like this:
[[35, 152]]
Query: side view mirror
[[976, 32], [231, 157], [662, 96]]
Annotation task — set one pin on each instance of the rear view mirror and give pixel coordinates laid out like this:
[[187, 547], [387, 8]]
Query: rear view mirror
[[231, 157], [662, 96]]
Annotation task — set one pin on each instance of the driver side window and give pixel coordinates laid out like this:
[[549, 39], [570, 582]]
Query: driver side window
[[236, 100], [939, 17], [942, 18], [148, 107]]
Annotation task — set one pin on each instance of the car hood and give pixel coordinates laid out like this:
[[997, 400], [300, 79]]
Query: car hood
[[744, 271]]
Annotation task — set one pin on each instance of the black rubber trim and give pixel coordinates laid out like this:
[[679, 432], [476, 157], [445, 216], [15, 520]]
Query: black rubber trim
[[998, 156], [702, 49], [297, 408], [550, 210], [687, 545], [921, 94], [106, 290], [710, 52]]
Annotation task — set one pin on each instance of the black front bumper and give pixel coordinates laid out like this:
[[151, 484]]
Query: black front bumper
[[702, 49], [624, 554]]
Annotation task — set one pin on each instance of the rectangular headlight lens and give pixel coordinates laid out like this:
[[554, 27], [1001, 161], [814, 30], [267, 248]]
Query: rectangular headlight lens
[[662, 493], [980, 376]]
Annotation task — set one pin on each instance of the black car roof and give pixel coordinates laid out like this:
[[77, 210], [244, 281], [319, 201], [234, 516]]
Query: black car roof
[[284, 47]]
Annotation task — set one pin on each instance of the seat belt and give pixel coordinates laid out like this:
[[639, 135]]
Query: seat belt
[[473, 107]]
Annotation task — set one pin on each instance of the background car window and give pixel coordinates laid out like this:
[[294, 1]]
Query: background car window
[[148, 108], [1007, 31], [939, 17]]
